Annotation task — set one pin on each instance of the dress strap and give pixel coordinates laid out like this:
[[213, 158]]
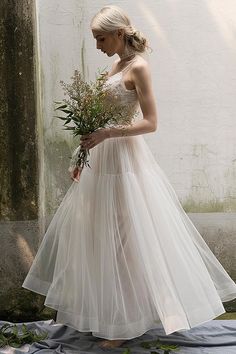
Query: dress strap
[[126, 68]]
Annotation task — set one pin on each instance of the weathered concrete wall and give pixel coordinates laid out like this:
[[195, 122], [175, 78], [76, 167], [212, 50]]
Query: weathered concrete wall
[[18, 150], [19, 244], [60, 49], [19, 231], [193, 66], [194, 78], [218, 230]]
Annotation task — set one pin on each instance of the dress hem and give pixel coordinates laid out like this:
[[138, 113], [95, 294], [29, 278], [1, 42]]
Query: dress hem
[[44, 286]]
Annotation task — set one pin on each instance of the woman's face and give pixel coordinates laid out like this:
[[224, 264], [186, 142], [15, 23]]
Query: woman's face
[[108, 43]]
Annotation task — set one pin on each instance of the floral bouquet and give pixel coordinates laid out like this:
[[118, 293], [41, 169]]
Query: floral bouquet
[[90, 106]]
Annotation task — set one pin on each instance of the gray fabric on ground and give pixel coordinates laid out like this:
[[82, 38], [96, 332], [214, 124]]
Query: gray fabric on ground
[[212, 337]]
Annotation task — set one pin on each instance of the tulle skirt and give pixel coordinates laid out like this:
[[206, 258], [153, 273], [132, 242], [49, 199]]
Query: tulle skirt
[[121, 256]]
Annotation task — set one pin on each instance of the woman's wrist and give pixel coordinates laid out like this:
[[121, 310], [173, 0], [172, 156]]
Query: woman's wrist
[[116, 132], [108, 132]]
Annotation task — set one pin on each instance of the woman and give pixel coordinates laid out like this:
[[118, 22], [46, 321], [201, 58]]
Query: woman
[[120, 255]]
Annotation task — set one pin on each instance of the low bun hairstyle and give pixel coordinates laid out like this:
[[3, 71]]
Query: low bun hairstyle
[[135, 39], [111, 18]]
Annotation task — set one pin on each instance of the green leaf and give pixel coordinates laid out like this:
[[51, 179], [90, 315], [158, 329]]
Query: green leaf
[[69, 128], [5, 326], [27, 334], [67, 111], [126, 351], [3, 341], [15, 344], [168, 347], [14, 339], [15, 330], [24, 328], [63, 106], [63, 118]]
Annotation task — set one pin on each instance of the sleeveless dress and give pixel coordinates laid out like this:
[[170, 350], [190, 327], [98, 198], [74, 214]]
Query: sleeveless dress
[[121, 256]]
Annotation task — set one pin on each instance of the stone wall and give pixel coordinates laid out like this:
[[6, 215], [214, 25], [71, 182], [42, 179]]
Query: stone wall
[[18, 150], [19, 207]]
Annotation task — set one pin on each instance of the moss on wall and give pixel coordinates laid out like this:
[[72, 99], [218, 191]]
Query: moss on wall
[[57, 177], [213, 206], [18, 143], [19, 304]]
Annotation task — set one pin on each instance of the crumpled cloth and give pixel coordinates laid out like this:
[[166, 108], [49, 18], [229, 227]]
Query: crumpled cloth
[[212, 337]]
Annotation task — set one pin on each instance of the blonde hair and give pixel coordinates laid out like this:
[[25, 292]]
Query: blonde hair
[[110, 18]]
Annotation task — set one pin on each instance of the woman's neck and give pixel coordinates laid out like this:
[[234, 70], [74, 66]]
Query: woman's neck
[[126, 59]]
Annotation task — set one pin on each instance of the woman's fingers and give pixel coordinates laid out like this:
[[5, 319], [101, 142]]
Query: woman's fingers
[[88, 144], [75, 171], [85, 140], [85, 137]]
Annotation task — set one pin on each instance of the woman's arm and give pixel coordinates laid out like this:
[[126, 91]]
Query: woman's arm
[[142, 80]]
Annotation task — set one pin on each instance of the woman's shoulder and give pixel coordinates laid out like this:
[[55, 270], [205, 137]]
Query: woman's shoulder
[[137, 64], [140, 70], [140, 74]]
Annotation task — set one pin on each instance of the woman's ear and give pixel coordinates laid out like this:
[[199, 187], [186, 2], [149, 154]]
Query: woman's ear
[[120, 33]]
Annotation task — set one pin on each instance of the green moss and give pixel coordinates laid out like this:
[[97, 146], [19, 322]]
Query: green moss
[[227, 316], [57, 178], [191, 206], [18, 147], [213, 206], [230, 306], [19, 305], [22, 305]]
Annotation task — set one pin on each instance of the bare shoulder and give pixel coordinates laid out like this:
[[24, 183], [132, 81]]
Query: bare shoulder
[[140, 69], [140, 61], [141, 76]]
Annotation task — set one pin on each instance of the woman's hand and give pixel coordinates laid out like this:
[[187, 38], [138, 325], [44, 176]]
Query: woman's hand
[[88, 141], [75, 174]]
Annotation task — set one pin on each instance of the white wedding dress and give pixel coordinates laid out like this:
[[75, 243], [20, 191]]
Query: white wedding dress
[[120, 255]]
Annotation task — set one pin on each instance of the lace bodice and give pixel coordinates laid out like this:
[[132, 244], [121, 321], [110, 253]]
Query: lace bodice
[[123, 95]]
